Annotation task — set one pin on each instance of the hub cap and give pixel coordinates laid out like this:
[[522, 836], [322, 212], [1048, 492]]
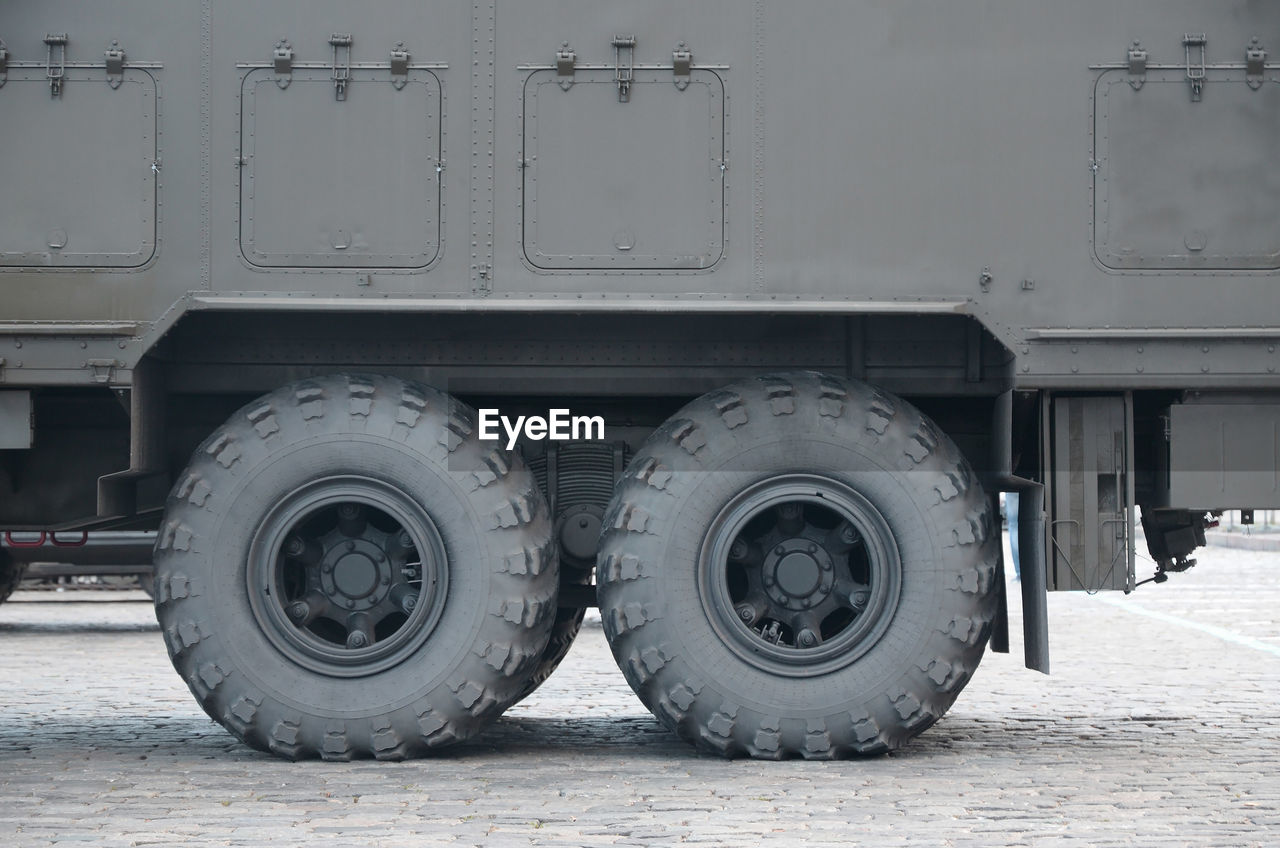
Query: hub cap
[[799, 574], [347, 576]]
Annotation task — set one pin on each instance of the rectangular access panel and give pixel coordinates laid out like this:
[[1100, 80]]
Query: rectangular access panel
[[1187, 180], [624, 182], [1089, 493], [1223, 456], [340, 182], [78, 166]]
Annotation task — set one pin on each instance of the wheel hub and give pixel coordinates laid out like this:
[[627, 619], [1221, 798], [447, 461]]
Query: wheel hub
[[798, 574], [355, 573], [347, 576]]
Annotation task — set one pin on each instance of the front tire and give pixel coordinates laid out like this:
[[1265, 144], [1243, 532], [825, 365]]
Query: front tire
[[344, 570], [798, 565]]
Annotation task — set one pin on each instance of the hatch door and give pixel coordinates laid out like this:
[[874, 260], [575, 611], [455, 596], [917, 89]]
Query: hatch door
[[340, 183], [624, 184]]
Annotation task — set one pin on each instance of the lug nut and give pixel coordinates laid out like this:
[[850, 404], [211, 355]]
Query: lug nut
[[299, 609], [747, 613], [357, 639], [780, 550], [860, 599], [812, 548], [808, 638]]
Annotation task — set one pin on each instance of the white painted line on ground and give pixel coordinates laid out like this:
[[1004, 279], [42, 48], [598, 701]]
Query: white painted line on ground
[[1220, 632]]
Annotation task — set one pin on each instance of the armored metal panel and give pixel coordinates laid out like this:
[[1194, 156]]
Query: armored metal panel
[[1090, 503], [15, 420], [78, 170], [1224, 456], [340, 183], [1184, 183], [624, 185]]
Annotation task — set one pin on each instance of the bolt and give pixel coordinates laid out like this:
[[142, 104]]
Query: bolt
[[351, 604], [738, 550], [780, 550], [357, 640], [848, 534], [386, 581], [808, 638], [409, 603], [583, 523], [789, 510], [406, 541], [747, 613], [379, 556], [811, 548], [348, 510], [299, 609], [859, 599], [768, 580]]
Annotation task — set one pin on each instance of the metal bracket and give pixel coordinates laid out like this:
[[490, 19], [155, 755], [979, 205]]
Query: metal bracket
[[565, 59], [114, 58], [282, 63], [1255, 64], [624, 44], [4, 63], [1195, 66], [1137, 66], [399, 66], [681, 65], [102, 369], [56, 72], [341, 74]]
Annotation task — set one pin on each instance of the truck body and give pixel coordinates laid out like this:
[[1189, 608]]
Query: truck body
[[1051, 231]]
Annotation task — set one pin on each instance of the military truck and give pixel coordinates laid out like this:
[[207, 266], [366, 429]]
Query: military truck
[[831, 275]]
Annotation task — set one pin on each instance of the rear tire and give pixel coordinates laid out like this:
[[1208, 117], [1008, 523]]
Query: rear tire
[[10, 575], [798, 565], [344, 570]]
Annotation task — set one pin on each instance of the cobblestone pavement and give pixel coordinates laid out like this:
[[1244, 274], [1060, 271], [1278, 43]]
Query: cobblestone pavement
[[1161, 723]]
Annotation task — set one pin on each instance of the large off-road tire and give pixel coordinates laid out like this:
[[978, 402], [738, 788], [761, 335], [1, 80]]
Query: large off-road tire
[[344, 570], [798, 565], [564, 630], [10, 575]]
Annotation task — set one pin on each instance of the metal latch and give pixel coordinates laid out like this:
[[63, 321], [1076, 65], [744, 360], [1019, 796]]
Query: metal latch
[[681, 65], [282, 63], [565, 59], [1194, 45], [56, 72], [1255, 64], [4, 63], [624, 47], [399, 66], [341, 45], [1137, 66], [115, 64]]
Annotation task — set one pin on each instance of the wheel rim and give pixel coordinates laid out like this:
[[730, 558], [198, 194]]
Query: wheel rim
[[799, 575], [347, 576]]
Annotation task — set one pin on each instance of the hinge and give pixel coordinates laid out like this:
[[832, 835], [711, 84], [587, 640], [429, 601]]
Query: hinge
[[1194, 45], [4, 63], [1255, 64], [114, 58], [484, 279], [56, 71], [681, 65], [565, 59], [341, 74], [282, 63], [624, 47], [1137, 66], [102, 369], [399, 66]]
